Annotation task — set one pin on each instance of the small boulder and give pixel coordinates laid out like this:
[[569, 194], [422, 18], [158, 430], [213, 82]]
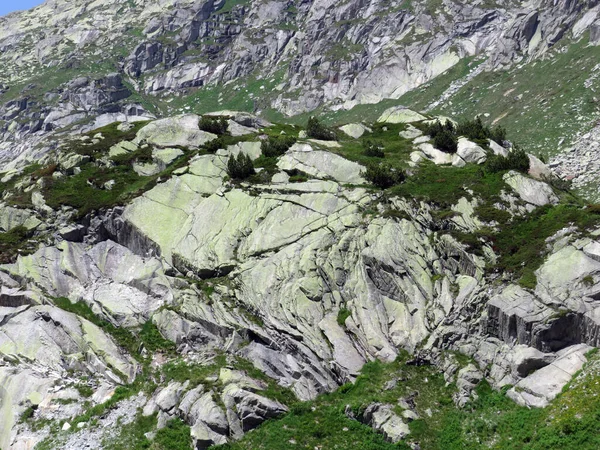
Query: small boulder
[[400, 114]]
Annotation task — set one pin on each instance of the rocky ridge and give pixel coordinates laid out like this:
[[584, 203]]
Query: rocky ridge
[[308, 279]]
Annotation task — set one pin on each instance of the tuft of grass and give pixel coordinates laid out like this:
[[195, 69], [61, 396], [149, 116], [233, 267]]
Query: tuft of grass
[[343, 314]]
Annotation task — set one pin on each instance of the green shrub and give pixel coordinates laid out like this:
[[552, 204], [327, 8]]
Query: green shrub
[[436, 128], [215, 125], [276, 146], [475, 130], [445, 141], [383, 175], [343, 314], [240, 167], [516, 160], [214, 145], [373, 149], [498, 134], [316, 130]]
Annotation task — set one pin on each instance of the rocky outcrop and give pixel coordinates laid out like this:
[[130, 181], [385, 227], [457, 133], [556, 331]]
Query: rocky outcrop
[[542, 386]]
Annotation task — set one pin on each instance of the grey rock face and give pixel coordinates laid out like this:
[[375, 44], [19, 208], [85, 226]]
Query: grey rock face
[[198, 44], [539, 388]]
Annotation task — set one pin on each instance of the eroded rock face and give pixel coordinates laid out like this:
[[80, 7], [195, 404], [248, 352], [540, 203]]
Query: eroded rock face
[[532, 191], [202, 44], [118, 285], [42, 344], [541, 387]]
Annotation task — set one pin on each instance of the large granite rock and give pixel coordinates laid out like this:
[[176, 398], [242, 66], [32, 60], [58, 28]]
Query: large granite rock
[[542, 386], [174, 131], [532, 191], [400, 114], [322, 164]]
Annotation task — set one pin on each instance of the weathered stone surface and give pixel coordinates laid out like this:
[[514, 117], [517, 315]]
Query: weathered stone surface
[[513, 315], [117, 284], [172, 131], [383, 419], [12, 217], [470, 152], [497, 149], [435, 155], [532, 191], [321, 164], [400, 114], [541, 387], [355, 130], [537, 169]]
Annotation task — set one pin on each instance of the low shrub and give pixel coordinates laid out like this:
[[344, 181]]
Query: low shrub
[[516, 160], [316, 130], [214, 145], [436, 128], [215, 125], [240, 167], [276, 146], [383, 176], [446, 141]]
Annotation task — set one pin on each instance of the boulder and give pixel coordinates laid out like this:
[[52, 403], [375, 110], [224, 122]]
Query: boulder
[[541, 387], [437, 156], [470, 152], [411, 132], [537, 169], [384, 420], [532, 191], [400, 114], [355, 130], [174, 131], [322, 164], [497, 149]]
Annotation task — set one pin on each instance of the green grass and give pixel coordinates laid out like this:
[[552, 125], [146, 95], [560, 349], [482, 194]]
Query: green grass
[[444, 185], [493, 421], [175, 436], [538, 103], [132, 435]]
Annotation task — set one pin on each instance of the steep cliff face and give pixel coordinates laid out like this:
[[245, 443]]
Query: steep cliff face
[[60, 60], [226, 299], [151, 293]]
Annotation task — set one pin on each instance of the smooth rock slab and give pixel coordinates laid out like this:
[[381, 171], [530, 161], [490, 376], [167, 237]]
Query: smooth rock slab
[[532, 191], [355, 130], [174, 131], [400, 114], [541, 387], [322, 164], [470, 152]]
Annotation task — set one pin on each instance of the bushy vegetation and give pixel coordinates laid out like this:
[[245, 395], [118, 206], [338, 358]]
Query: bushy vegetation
[[383, 175], [240, 167], [316, 130], [445, 136], [214, 124], [275, 146], [517, 160], [475, 130], [373, 149], [446, 142], [13, 242]]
